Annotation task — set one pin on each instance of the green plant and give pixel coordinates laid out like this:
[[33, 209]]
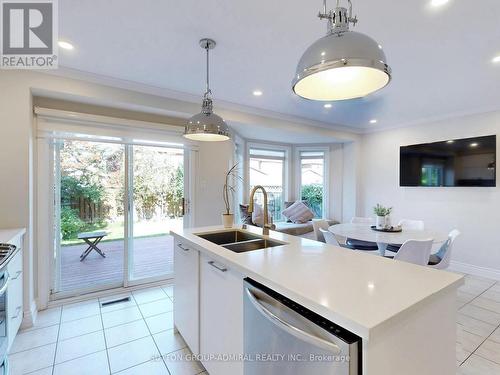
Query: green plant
[[312, 194], [380, 210], [71, 224]]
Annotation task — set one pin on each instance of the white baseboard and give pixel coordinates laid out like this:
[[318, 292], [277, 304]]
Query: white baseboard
[[490, 273], [29, 316]]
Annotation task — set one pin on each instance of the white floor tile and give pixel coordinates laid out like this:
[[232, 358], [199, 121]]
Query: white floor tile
[[481, 314], [79, 346], [160, 323], [489, 350], [118, 317], [125, 333], [95, 364], [80, 310], [157, 307], [177, 363], [33, 338], [44, 371], [462, 354], [469, 341], [492, 294], [31, 360], [495, 336], [476, 365], [168, 341], [475, 326], [475, 286], [149, 295], [80, 327], [117, 306], [156, 367], [169, 289], [131, 354], [487, 304], [46, 318]]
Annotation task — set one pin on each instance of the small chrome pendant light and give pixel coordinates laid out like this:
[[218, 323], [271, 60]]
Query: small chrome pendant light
[[206, 125], [342, 65]]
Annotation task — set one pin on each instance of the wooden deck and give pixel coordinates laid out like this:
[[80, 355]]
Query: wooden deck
[[153, 256]]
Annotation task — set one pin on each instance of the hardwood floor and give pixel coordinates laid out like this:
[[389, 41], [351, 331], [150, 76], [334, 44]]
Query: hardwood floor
[[152, 256]]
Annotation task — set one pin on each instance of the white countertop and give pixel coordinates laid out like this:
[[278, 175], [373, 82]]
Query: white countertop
[[365, 233], [358, 291], [7, 235]]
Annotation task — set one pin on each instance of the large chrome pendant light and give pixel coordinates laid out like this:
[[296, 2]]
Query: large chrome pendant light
[[206, 125], [342, 65]]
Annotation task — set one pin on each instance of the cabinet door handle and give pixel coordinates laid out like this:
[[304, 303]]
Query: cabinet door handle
[[182, 247], [18, 311], [17, 275], [215, 265]]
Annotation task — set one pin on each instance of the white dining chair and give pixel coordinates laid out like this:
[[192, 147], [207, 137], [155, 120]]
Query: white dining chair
[[355, 244], [442, 258], [330, 238], [406, 224], [317, 225], [414, 251]]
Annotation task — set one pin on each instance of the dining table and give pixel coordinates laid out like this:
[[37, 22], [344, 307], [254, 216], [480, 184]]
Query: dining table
[[365, 232]]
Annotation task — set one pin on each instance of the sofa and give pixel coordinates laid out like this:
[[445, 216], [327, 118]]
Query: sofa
[[304, 230]]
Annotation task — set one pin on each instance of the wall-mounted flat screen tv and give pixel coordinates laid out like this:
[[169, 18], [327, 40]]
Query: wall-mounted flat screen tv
[[454, 162]]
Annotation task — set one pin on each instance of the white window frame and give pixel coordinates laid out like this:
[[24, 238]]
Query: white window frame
[[286, 149], [326, 174]]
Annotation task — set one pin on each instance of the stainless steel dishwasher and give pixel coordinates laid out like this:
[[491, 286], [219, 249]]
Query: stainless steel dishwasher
[[282, 337]]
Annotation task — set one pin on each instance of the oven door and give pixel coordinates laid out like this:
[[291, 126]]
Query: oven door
[[4, 283]]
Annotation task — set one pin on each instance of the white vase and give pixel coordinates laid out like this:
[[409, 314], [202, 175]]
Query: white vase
[[380, 222], [227, 220]]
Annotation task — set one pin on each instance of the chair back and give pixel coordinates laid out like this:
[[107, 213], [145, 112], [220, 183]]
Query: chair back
[[361, 220], [317, 225], [329, 237], [445, 251], [411, 224], [415, 251]]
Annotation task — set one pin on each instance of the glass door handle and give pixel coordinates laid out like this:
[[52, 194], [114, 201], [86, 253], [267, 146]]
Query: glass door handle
[[291, 329]]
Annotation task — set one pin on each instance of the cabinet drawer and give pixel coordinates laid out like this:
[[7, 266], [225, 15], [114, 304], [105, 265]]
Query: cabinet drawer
[[14, 308]]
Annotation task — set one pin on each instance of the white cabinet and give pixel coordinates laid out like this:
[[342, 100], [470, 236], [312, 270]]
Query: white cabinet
[[15, 296], [221, 316], [186, 293]]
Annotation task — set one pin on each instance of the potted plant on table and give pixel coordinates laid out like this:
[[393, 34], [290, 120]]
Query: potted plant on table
[[227, 190], [382, 215]]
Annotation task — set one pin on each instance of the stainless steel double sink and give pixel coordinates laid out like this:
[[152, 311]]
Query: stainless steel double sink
[[240, 241]]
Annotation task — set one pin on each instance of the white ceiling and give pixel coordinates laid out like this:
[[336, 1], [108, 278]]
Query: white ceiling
[[440, 57]]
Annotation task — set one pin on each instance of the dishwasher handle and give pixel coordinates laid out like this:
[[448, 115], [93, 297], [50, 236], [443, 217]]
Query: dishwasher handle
[[291, 329]]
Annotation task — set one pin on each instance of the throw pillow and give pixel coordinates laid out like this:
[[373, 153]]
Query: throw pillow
[[298, 213]]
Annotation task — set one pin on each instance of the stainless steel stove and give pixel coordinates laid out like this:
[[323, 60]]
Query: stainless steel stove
[[6, 250]]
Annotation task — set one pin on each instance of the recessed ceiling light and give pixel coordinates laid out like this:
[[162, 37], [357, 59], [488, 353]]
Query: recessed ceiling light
[[496, 59], [328, 105], [373, 121], [65, 45], [257, 93], [450, 141], [438, 3], [474, 144]]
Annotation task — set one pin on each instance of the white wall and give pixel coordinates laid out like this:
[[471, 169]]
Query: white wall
[[474, 211]]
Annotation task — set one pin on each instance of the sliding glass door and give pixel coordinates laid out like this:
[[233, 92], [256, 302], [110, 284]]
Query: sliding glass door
[[114, 206]]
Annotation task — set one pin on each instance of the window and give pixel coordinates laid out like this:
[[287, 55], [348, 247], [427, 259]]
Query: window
[[267, 168], [312, 181]]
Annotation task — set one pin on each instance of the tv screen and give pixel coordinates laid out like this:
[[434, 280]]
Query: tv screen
[[455, 162]]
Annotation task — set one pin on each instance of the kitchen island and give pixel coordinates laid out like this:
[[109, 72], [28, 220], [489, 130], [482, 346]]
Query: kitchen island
[[404, 314]]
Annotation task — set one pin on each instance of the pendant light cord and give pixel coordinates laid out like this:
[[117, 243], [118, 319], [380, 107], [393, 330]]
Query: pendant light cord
[[208, 91]]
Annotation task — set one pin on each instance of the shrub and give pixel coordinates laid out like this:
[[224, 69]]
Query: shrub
[[71, 224], [313, 196]]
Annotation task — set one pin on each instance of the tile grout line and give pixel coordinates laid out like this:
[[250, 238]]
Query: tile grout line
[[57, 341], [104, 335], [475, 350], [151, 334]]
